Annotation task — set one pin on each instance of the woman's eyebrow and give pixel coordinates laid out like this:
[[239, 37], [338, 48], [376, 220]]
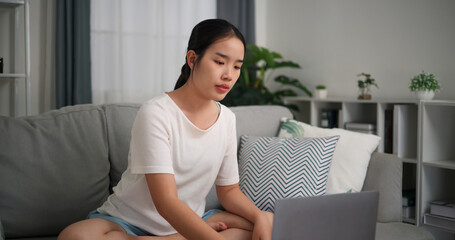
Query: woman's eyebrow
[[227, 57]]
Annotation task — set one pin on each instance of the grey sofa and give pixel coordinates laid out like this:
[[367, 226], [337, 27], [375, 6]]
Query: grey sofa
[[57, 166]]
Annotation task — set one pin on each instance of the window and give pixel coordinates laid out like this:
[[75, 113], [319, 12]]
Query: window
[[138, 47]]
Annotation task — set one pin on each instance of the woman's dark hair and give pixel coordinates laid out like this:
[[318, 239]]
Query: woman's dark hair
[[203, 35]]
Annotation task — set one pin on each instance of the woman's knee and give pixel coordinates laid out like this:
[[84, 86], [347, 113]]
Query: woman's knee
[[91, 229]]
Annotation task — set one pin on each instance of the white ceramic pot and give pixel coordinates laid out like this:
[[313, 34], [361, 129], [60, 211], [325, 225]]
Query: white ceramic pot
[[320, 93], [424, 95]]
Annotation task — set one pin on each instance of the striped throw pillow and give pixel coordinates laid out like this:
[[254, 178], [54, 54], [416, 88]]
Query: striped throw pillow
[[273, 168]]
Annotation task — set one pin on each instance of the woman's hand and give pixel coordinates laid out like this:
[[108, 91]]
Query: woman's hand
[[263, 226]]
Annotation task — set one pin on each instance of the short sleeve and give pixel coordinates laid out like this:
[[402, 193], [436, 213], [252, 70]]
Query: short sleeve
[[229, 170], [150, 146]]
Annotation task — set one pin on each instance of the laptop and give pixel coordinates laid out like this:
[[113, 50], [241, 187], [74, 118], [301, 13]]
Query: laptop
[[350, 216]]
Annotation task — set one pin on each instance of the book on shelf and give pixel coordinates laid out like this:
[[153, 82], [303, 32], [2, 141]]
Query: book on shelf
[[409, 212], [360, 126], [388, 131], [408, 198], [368, 128], [443, 208], [439, 221], [329, 118], [405, 131], [340, 118], [363, 131]]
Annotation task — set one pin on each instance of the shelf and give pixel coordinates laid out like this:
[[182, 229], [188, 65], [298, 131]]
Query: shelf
[[16, 6], [410, 160], [11, 3], [447, 164], [438, 103], [12, 75], [422, 131], [444, 223], [353, 100], [409, 220]]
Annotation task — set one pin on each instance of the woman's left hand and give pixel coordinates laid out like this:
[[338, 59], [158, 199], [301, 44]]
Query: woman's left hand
[[263, 226]]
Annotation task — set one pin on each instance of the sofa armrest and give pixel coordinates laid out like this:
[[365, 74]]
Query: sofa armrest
[[384, 174]]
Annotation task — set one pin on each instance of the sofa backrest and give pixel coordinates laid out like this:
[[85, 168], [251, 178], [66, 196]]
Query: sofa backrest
[[119, 121], [260, 120], [384, 175], [54, 169]]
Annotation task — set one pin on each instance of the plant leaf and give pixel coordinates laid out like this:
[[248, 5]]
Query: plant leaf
[[292, 82]]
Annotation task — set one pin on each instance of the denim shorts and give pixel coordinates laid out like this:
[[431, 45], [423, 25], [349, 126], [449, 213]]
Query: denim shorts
[[136, 231]]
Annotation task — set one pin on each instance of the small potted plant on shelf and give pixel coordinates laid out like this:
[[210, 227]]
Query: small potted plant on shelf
[[320, 92], [365, 85], [424, 85]]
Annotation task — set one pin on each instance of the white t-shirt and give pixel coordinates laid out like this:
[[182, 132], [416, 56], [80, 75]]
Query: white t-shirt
[[165, 141]]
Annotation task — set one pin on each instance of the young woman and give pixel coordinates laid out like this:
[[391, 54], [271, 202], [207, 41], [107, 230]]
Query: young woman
[[182, 142]]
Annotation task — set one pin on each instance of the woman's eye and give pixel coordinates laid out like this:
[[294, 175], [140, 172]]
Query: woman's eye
[[237, 67], [219, 62]]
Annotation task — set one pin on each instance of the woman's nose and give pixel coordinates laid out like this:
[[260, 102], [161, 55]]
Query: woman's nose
[[227, 74]]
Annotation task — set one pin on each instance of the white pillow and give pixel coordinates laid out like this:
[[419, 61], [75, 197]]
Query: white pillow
[[350, 160]]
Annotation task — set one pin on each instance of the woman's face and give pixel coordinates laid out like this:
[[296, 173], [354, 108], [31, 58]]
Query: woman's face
[[218, 70]]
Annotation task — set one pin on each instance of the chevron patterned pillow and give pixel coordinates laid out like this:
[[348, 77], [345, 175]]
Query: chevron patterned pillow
[[350, 160], [274, 168]]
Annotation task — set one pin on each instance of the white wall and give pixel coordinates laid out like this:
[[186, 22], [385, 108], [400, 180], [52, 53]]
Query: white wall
[[332, 40], [336, 40], [42, 28]]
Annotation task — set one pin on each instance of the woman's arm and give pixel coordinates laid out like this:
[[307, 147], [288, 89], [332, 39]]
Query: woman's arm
[[163, 190], [233, 200]]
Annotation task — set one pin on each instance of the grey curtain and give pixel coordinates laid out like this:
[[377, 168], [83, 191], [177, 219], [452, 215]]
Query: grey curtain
[[73, 65], [241, 14]]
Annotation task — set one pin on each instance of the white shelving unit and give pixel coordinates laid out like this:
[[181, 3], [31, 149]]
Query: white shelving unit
[[15, 76], [430, 168], [351, 110], [436, 170]]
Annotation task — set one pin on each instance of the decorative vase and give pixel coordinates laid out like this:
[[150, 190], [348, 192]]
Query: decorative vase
[[424, 95], [320, 93]]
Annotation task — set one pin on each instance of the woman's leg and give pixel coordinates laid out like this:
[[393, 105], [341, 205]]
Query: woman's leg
[[231, 221], [238, 227], [100, 229], [93, 229], [237, 234]]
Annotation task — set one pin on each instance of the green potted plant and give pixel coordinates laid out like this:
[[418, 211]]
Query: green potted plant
[[251, 89], [424, 85], [320, 92], [365, 85]]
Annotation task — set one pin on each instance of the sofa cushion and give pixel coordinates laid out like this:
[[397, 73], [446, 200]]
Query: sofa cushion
[[401, 231], [384, 175], [274, 168], [54, 169], [351, 157], [119, 119]]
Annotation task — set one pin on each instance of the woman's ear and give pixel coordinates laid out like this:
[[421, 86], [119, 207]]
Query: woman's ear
[[191, 57]]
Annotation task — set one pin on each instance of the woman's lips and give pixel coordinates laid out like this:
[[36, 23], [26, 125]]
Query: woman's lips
[[222, 88]]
